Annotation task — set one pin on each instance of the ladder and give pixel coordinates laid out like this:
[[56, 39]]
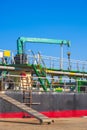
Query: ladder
[[27, 98], [27, 92], [42, 118]]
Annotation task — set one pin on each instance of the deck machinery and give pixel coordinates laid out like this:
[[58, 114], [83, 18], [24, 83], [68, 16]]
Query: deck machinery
[[61, 76], [39, 69]]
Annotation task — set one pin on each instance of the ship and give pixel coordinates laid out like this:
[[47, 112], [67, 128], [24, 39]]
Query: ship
[[52, 86]]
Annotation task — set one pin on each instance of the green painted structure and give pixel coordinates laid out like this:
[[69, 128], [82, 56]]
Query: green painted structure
[[22, 40]]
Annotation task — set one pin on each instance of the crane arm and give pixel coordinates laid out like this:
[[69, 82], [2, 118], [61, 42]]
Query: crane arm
[[22, 40]]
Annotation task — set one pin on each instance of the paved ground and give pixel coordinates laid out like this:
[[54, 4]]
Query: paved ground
[[33, 124]]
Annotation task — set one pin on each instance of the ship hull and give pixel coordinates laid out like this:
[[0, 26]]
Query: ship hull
[[53, 105]]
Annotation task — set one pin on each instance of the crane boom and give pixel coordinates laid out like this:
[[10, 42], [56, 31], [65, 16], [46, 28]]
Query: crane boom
[[22, 40]]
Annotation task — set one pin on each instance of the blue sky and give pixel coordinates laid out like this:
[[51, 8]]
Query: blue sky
[[58, 19]]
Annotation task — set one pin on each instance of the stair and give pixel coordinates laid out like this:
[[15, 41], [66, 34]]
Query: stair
[[41, 73], [42, 118]]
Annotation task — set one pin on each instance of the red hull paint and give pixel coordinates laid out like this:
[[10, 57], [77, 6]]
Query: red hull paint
[[52, 114]]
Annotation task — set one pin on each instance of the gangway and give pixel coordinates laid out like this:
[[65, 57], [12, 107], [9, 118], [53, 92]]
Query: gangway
[[42, 118]]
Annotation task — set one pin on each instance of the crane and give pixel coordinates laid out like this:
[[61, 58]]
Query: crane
[[21, 57], [22, 40]]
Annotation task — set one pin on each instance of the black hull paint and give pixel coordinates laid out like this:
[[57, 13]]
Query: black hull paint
[[50, 103]]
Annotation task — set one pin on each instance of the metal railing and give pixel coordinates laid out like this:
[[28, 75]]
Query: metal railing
[[48, 62], [19, 83]]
